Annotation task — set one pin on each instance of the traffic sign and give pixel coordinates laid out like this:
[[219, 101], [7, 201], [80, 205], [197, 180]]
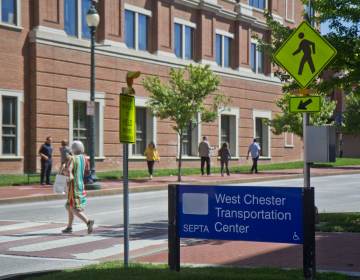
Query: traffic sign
[[267, 214], [304, 54], [304, 104], [127, 118]]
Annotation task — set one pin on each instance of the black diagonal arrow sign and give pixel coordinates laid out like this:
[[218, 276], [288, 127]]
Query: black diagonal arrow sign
[[303, 105]]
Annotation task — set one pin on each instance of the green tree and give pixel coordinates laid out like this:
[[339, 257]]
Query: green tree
[[183, 97], [352, 114], [343, 17]]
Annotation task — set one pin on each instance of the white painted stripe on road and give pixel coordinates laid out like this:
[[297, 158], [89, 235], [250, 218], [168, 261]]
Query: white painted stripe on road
[[19, 226], [54, 244], [38, 233], [119, 249]]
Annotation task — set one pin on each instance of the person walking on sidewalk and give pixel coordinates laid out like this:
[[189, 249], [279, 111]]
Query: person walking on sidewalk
[[224, 154], [45, 153], [76, 168], [204, 153], [152, 155], [254, 150]]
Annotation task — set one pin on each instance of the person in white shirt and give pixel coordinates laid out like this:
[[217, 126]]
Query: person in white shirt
[[204, 153], [254, 150]]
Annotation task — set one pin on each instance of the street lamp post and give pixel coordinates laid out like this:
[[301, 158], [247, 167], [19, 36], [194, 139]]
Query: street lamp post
[[92, 20]]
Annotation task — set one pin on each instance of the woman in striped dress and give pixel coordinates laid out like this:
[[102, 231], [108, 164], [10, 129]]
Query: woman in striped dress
[[76, 168]]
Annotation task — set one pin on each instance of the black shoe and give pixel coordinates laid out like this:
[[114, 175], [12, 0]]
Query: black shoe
[[49, 184], [43, 184], [90, 226], [67, 230]]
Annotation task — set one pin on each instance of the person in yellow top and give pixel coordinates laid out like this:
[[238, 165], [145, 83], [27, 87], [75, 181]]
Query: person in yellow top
[[152, 155]]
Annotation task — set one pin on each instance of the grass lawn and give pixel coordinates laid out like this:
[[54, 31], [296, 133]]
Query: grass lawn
[[339, 222], [113, 270], [11, 180]]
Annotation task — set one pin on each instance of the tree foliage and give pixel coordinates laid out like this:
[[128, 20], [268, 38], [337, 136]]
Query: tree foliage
[[183, 97], [343, 17], [352, 114]]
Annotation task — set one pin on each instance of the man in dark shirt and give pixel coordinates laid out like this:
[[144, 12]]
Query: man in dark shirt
[[45, 153]]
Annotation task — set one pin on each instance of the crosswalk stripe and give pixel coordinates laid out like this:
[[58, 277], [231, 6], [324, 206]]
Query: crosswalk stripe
[[119, 249], [59, 243], [37, 234], [19, 226]]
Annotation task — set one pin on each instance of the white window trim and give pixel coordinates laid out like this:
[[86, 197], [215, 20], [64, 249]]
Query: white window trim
[[18, 16], [257, 9], [141, 101], [223, 34], [137, 10], [19, 117], [287, 18], [286, 144], [254, 41], [183, 24], [187, 157], [231, 111], [80, 95], [266, 115]]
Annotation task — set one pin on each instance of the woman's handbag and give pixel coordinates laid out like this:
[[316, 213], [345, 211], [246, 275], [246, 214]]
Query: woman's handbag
[[60, 183]]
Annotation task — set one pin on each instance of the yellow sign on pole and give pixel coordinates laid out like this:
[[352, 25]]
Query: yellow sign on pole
[[305, 104], [127, 119], [304, 54]]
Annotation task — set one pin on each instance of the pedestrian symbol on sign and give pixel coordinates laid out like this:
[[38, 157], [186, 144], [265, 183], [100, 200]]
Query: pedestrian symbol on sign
[[308, 48]]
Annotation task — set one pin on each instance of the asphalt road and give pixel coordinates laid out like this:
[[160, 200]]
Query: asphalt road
[[148, 218]]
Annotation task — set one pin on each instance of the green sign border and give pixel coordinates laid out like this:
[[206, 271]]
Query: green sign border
[[321, 69], [302, 97]]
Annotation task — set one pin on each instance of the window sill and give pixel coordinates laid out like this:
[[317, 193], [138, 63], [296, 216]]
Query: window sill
[[265, 158], [100, 158], [12, 27], [137, 158], [289, 146], [9, 158], [231, 159], [188, 158]]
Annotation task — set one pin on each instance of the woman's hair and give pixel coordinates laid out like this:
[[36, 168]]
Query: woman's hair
[[77, 147], [64, 143], [152, 144], [224, 145]]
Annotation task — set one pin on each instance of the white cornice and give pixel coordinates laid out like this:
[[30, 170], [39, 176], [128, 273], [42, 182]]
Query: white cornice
[[49, 36]]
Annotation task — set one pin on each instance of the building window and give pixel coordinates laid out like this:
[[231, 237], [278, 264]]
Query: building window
[[75, 18], [262, 135], [188, 147], [140, 145], [136, 30], [256, 59], [223, 50], [228, 131], [184, 39], [79, 111], [8, 13], [145, 128], [9, 125], [260, 4], [289, 139], [80, 124]]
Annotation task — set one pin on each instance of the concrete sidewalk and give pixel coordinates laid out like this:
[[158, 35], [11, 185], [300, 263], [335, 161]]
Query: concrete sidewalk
[[28, 193]]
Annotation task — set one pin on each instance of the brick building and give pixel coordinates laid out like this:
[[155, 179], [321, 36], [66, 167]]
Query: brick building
[[45, 69]]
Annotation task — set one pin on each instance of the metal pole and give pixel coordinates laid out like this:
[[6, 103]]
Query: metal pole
[[173, 235], [306, 163], [92, 99], [126, 204]]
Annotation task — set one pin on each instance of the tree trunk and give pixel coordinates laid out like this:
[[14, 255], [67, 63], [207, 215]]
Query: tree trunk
[[180, 158]]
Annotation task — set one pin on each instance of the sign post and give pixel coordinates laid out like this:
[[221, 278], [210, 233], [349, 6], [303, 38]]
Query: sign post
[[127, 136], [304, 55]]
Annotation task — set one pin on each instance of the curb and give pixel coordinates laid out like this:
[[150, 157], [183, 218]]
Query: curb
[[163, 186]]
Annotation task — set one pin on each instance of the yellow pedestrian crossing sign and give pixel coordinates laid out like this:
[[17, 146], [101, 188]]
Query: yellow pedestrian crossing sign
[[305, 104], [304, 54]]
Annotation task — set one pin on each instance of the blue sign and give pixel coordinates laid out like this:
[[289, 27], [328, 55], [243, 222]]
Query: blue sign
[[268, 214]]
